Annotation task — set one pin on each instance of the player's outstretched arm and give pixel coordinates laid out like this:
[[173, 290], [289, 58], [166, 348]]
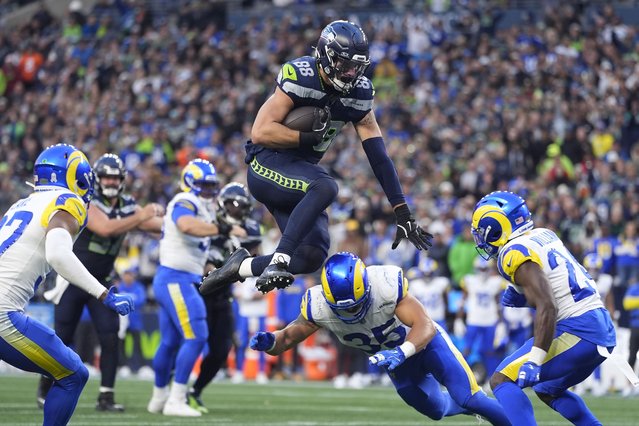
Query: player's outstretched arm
[[102, 225], [59, 254], [385, 172], [282, 340], [538, 293]]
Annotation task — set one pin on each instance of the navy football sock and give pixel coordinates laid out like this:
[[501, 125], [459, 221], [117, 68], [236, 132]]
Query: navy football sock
[[516, 404], [574, 409]]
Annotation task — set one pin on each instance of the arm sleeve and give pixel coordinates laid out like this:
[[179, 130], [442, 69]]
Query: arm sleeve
[[59, 254], [384, 170]]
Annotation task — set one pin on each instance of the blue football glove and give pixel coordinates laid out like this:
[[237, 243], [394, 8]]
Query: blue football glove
[[528, 374], [120, 303], [513, 299], [262, 341], [390, 359]]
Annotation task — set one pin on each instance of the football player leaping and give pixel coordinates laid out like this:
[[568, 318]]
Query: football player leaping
[[283, 172], [368, 308], [573, 332], [36, 234]]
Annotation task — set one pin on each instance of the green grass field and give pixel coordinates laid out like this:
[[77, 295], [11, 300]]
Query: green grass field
[[275, 404]]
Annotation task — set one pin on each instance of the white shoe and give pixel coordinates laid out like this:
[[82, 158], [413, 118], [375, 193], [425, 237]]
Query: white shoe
[[355, 381], [179, 408], [261, 379], [340, 381], [156, 404], [237, 378]]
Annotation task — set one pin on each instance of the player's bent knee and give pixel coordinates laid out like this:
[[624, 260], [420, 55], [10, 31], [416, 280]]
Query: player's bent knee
[[325, 186], [497, 378], [77, 380], [546, 398]]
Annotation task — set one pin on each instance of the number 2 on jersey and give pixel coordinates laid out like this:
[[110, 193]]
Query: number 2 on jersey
[[578, 292], [12, 228]]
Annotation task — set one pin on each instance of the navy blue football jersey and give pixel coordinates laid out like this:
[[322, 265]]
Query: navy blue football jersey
[[98, 253], [301, 81]]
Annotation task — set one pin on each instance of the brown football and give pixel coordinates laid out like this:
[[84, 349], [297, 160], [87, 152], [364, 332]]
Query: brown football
[[301, 118]]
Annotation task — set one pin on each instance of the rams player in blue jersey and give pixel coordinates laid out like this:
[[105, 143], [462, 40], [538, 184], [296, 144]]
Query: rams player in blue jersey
[[283, 172], [186, 237], [573, 332], [37, 234], [369, 308]]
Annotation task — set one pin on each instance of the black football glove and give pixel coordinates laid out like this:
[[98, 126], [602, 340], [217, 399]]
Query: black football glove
[[407, 228], [223, 227], [321, 120]]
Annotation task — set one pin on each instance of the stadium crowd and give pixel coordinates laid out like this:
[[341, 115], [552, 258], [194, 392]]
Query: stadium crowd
[[548, 109]]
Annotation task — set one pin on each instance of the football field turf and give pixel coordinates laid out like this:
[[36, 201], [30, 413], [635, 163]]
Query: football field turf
[[275, 404]]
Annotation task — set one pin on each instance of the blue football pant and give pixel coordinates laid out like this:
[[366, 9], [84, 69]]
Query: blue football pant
[[485, 337], [32, 346], [570, 360], [183, 329], [418, 381]]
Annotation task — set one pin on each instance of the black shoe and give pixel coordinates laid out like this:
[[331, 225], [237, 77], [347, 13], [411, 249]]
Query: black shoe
[[226, 274], [43, 389], [107, 403], [275, 275]]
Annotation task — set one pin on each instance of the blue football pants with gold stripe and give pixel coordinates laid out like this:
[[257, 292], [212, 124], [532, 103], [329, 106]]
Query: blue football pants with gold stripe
[[570, 360], [32, 346], [297, 193], [183, 329], [418, 381]]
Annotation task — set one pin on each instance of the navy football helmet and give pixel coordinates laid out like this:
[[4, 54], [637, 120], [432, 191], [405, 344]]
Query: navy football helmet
[[342, 53], [234, 202], [109, 165], [345, 287], [67, 167]]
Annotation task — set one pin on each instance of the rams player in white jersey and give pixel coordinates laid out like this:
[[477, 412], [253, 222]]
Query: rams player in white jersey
[[186, 237], [573, 332], [369, 308], [37, 234]]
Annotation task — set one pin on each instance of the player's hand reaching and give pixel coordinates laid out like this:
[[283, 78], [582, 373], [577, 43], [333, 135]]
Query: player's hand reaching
[[262, 341], [513, 299], [389, 359], [528, 374], [408, 229], [321, 120], [120, 303]]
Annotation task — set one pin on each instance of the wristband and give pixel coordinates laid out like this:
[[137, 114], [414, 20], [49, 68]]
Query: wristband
[[408, 348], [402, 213], [274, 343], [536, 355]]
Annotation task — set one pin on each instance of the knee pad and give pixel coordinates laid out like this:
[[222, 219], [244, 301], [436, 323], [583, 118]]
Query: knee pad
[[324, 188], [307, 259]]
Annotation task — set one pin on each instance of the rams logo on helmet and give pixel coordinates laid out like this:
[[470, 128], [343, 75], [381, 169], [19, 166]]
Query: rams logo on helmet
[[499, 217]]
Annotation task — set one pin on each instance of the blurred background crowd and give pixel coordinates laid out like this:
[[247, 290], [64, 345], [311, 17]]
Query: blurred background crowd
[[472, 96]]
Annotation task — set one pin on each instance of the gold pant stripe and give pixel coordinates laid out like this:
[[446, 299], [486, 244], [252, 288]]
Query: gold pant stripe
[[278, 178], [34, 353], [559, 345], [181, 310], [474, 387]]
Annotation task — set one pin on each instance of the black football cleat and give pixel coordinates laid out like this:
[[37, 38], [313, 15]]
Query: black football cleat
[[226, 274], [275, 275], [43, 389], [106, 402]]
